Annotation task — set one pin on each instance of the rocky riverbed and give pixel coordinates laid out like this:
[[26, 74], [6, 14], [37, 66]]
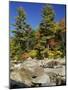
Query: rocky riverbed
[[35, 73]]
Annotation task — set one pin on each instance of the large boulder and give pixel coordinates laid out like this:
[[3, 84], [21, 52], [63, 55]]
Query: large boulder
[[22, 75], [33, 72], [42, 80], [14, 84], [30, 64]]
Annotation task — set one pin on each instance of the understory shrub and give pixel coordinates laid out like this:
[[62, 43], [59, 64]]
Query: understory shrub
[[33, 53]]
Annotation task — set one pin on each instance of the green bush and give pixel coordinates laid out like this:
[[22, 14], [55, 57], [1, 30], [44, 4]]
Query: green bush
[[33, 53], [54, 54], [48, 53]]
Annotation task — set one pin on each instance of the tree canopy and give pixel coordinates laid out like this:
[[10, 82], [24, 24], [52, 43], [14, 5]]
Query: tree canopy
[[48, 41]]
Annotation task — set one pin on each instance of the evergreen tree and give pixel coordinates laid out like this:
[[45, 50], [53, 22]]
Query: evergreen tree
[[21, 33], [47, 22], [47, 25]]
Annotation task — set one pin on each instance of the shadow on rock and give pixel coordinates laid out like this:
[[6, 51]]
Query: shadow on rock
[[15, 84]]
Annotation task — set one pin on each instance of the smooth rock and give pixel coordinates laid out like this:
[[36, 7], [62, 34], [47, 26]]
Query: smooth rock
[[42, 79], [39, 72], [22, 75]]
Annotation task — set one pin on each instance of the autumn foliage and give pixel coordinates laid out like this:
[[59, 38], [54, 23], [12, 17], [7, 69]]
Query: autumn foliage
[[48, 41]]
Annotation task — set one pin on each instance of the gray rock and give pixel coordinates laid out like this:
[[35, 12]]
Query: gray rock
[[33, 72], [15, 84], [30, 64], [42, 79], [22, 75]]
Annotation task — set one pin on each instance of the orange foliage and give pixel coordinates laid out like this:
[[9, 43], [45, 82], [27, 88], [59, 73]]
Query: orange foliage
[[52, 42], [24, 56], [62, 25]]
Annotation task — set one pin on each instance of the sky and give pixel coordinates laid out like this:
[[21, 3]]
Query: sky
[[33, 12]]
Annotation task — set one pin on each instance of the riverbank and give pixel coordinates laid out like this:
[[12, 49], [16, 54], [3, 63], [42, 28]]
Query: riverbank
[[35, 73]]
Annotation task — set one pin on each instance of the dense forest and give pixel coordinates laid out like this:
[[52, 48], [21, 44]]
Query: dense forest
[[47, 41]]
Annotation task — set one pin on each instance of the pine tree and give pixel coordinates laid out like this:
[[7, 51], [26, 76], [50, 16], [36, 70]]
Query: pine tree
[[47, 25], [47, 22], [21, 33], [47, 30]]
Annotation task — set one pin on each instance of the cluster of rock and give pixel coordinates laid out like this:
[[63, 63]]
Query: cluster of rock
[[35, 73]]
